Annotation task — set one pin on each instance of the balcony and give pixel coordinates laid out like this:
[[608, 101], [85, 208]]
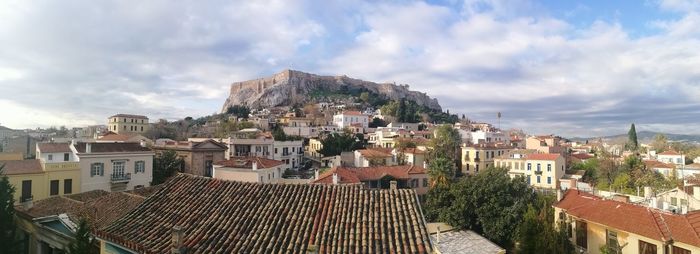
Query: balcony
[[538, 172], [477, 159], [23, 199], [120, 178]]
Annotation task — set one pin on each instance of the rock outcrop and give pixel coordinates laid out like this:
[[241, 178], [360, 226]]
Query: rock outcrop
[[290, 87]]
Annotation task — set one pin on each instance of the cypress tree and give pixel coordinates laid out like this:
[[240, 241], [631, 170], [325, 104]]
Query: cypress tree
[[7, 215], [632, 143]]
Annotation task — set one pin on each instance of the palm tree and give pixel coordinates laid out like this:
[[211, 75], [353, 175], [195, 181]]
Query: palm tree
[[440, 172]]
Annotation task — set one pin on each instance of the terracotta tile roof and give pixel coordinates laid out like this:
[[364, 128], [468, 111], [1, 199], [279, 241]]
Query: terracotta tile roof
[[190, 145], [582, 156], [247, 162], [17, 167], [115, 137], [129, 116], [543, 156], [54, 147], [357, 175], [98, 207], [375, 152], [669, 152], [219, 216], [657, 164], [640, 220], [146, 191], [414, 151], [112, 147]]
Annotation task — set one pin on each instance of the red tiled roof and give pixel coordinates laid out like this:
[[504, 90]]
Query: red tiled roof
[[543, 156], [657, 164], [18, 167], [582, 156], [54, 147], [115, 137], [219, 216], [129, 116], [112, 147], [375, 152], [670, 152], [357, 175], [414, 151], [640, 220], [247, 162]]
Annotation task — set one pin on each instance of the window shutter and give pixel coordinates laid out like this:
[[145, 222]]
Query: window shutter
[[102, 169]]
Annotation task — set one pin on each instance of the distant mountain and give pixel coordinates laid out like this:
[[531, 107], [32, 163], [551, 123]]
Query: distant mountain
[[648, 136], [291, 87]]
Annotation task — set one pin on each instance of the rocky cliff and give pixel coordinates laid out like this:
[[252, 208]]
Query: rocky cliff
[[290, 87]]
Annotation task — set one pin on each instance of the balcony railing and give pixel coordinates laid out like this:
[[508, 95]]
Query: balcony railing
[[538, 172], [117, 178]]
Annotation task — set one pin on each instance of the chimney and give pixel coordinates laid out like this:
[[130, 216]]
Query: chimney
[[392, 185], [143, 143], [88, 147], [72, 142], [647, 192], [560, 195], [316, 174], [573, 183], [255, 165], [621, 198], [696, 192], [335, 178], [177, 240], [437, 236]]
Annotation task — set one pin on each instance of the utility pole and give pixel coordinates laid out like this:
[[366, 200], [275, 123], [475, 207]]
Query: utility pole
[[499, 120]]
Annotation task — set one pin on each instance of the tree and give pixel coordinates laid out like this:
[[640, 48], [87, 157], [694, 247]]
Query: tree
[[400, 146], [364, 97], [490, 203], [377, 122], [632, 143], [446, 144], [660, 143], [7, 214], [337, 143], [83, 242], [441, 172], [239, 111], [165, 165]]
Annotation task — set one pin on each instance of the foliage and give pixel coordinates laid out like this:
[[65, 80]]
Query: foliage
[[632, 143], [489, 203], [629, 176], [239, 111], [161, 129], [7, 214], [441, 172], [165, 165], [279, 135], [437, 200], [337, 143], [226, 127], [660, 143], [407, 111], [377, 122], [537, 233], [446, 143], [400, 146], [83, 242]]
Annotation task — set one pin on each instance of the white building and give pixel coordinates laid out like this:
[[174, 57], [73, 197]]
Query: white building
[[249, 169], [481, 136], [289, 152], [114, 166], [350, 119], [672, 157], [256, 143]]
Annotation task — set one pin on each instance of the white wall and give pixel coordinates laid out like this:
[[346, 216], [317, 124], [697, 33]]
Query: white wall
[[89, 183]]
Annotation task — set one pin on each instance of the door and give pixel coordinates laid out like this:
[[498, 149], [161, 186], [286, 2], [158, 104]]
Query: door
[[208, 168]]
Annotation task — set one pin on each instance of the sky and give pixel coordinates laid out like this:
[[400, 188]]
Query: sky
[[573, 68]]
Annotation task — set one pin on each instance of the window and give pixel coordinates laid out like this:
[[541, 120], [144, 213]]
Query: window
[[275, 150], [538, 179], [141, 128], [425, 182], [476, 155], [539, 168], [26, 191], [50, 157], [611, 242], [140, 167], [549, 167], [549, 180], [118, 168], [581, 234], [674, 201], [477, 168], [261, 179], [679, 250], [67, 186], [66, 157], [97, 169], [684, 202], [53, 187], [646, 248], [529, 166], [529, 179], [414, 183]]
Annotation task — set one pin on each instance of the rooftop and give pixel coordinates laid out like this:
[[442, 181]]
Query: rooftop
[[640, 220], [112, 147], [219, 216], [54, 147], [129, 116], [375, 152], [247, 162], [357, 175], [543, 156], [464, 242], [657, 164], [18, 167], [670, 152]]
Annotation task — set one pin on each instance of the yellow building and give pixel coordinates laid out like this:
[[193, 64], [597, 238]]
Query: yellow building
[[36, 181], [541, 170], [481, 156], [593, 223], [314, 146], [125, 123]]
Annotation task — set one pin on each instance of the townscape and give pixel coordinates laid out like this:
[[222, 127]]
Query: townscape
[[342, 167]]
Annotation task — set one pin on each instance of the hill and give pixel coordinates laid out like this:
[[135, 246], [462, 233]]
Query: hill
[[291, 87], [648, 136]]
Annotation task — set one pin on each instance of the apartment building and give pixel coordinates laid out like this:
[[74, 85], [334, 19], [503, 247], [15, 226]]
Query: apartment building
[[351, 119], [256, 143], [481, 136], [126, 123], [374, 157], [114, 166], [671, 157], [290, 152], [199, 157], [476, 157], [249, 169], [540, 170], [379, 177], [545, 144]]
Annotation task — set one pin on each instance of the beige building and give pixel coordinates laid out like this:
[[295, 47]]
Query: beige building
[[541, 170], [199, 157], [371, 157], [379, 177], [114, 166], [593, 223], [477, 157], [249, 169], [125, 123], [544, 144]]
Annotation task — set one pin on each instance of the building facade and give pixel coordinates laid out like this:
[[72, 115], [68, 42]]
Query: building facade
[[114, 166], [249, 169], [126, 123], [476, 157], [199, 157], [349, 119]]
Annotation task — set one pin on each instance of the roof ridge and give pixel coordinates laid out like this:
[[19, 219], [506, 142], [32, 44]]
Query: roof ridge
[[660, 224], [695, 230]]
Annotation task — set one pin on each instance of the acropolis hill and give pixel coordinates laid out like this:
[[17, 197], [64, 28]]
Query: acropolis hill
[[291, 87]]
